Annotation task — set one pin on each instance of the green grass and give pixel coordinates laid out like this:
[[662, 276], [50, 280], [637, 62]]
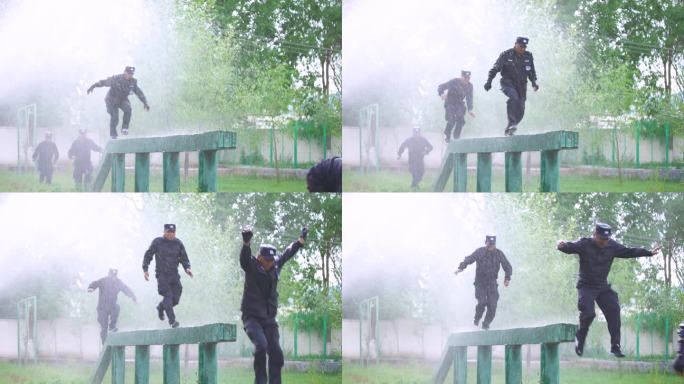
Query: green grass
[[62, 181], [77, 373], [415, 373], [395, 181]]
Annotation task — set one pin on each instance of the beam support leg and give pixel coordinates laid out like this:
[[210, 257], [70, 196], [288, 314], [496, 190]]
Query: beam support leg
[[142, 172], [118, 364], [171, 364], [208, 365], [171, 172], [550, 171], [513, 172], [208, 168], [550, 364], [484, 172], [484, 364], [461, 365], [513, 364], [460, 172], [142, 364], [118, 172]]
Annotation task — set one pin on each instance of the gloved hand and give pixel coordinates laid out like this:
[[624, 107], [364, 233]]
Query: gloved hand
[[90, 90], [147, 107], [535, 86], [305, 231], [247, 235], [488, 86]]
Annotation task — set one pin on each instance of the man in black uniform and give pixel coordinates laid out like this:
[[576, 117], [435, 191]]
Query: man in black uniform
[[120, 86], [168, 252], [596, 256], [260, 304], [678, 364], [46, 155], [107, 308], [418, 148], [326, 176], [80, 153], [516, 66], [488, 259], [453, 92]]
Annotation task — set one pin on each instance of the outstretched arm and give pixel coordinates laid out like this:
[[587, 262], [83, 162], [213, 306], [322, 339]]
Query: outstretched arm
[[508, 269], [469, 260], [138, 92], [94, 285], [428, 146], [630, 253], [569, 246], [293, 248], [402, 147], [246, 252], [443, 87], [127, 291], [184, 260], [102, 83]]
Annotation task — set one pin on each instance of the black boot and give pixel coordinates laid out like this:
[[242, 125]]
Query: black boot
[[579, 345], [616, 351], [160, 312]]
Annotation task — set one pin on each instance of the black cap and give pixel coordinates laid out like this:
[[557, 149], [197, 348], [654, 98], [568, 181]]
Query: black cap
[[522, 41], [113, 271], [603, 230], [48, 134], [169, 227], [490, 239], [130, 70], [267, 251], [465, 73], [416, 130]]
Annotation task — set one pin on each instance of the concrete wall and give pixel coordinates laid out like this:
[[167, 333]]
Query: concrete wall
[[590, 142], [68, 339], [408, 339]]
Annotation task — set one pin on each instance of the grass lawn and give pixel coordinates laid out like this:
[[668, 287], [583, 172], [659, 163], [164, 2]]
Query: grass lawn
[[394, 181], [76, 373], [62, 181], [420, 374]]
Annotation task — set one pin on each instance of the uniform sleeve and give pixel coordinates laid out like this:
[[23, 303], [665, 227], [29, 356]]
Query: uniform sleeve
[[506, 265], [55, 152], [469, 97], [185, 261], [403, 146], [126, 290], [571, 247], [496, 68], [428, 146], [290, 251], [35, 152], [70, 153], [148, 255], [442, 87], [95, 284], [623, 252], [138, 92], [246, 258], [104, 83], [94, 146], [469, 259], [532, 73]]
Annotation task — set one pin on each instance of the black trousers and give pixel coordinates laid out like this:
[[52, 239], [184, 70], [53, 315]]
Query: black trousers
[[487, 296], [170, 288], [417, 169], [266, 339], [113, 110], [455, 119], [608, 301], [45, 174], [107, 317], [515, 106], [82, 173]]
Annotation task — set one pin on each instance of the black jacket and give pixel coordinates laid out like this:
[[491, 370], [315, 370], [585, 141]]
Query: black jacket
[[45, 154], [458, 90], [110, 287], [167, 255], [515, 69], [80, 151], [120, 88], [260, 295], [418, 147], [488, 263], [595, 262]]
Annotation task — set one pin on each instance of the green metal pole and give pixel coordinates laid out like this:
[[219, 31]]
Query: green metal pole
[[142, 364], [484, 364], [461, 365], [171, 369], [484, 172], [118, 364], [613, 143], [294, 157], [667, 337], [638, 135], [296, 327], [325, 335], [550, 364], [325, 141], [513, 364], [270, 147], [667, 144], [638, 334]]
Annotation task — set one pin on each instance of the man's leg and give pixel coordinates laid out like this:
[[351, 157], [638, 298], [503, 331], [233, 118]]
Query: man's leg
[[113, 317], [126, 108], [88, 174], [275, 353], [609, 303], [450, 117], [78, 176], [481, 296], [176, 291], [48, 175], [256, 335], [459, 119], [102, 318], [164, 289], [492, 301], [512, 105], [113, 111], [587, 313]]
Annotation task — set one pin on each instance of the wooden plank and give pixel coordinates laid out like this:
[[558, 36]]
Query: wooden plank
[[102, 173], [177, 143], [537, 335], [208, 364], [142, 172], [550, 364], [460, 365], [118, 365], [513, 172], [142, 364], [550, 171], [484, 364], [444, 173], [210, 333], [171, 370], [484, 172], [208, 169], [118, 172], [445, 363], [460, 172], [513, 364], [171, 172], [102, 365], [520, 143]]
